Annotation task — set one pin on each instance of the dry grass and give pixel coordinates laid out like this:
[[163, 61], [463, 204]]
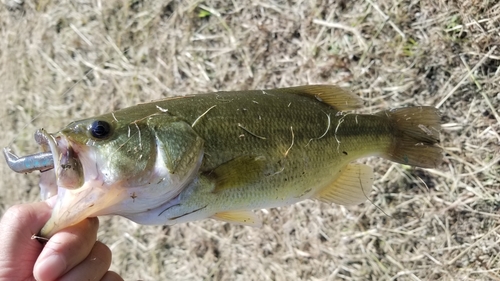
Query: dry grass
[[421, 225]]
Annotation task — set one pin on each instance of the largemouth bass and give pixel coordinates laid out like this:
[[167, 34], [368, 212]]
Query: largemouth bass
[[222, 155]]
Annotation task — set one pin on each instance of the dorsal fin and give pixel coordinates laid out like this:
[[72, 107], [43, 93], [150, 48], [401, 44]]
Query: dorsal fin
[[335, 96]]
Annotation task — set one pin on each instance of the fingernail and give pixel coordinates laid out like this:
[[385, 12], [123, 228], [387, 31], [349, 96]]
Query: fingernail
[[50, 268]]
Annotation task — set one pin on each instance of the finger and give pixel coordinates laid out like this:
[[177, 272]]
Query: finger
[[17, 226], [93, 267], [19, 218], [66, 249], [111, 276]]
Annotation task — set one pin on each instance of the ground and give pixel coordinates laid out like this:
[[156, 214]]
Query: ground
[[65, 60]]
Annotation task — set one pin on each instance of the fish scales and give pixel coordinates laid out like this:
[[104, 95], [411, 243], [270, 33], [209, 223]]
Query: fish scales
[[238, 118], [304, 149], [278, 118]]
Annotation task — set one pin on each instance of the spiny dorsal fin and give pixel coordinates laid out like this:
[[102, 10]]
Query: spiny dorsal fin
[[335, 96], [239, 217], [238, 172], [350, 188]]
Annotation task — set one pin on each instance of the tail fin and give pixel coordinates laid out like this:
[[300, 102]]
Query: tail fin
[[416, 135]]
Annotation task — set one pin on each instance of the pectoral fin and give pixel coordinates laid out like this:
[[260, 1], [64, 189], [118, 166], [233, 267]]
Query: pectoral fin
[[352, 186], [247, 218], [238, 172]]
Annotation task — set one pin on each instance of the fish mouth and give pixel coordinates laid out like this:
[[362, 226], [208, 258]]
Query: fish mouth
[[76, 182], [67, 167]]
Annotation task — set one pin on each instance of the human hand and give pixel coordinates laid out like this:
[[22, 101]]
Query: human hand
[[71, 254]]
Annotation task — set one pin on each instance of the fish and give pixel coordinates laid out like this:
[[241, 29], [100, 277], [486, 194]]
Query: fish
[[223, 155]]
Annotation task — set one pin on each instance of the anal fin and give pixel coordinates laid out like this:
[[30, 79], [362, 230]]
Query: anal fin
[[247, 218], [352, 186]]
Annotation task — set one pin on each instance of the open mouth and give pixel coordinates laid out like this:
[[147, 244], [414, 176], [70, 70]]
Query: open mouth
[[80, 193], [68, 171], [62, 174], [56, 154]]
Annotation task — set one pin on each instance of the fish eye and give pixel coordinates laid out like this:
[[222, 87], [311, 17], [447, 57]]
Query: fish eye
[[100, 129]]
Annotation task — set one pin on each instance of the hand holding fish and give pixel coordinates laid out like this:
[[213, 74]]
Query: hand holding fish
[[71, 254]]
